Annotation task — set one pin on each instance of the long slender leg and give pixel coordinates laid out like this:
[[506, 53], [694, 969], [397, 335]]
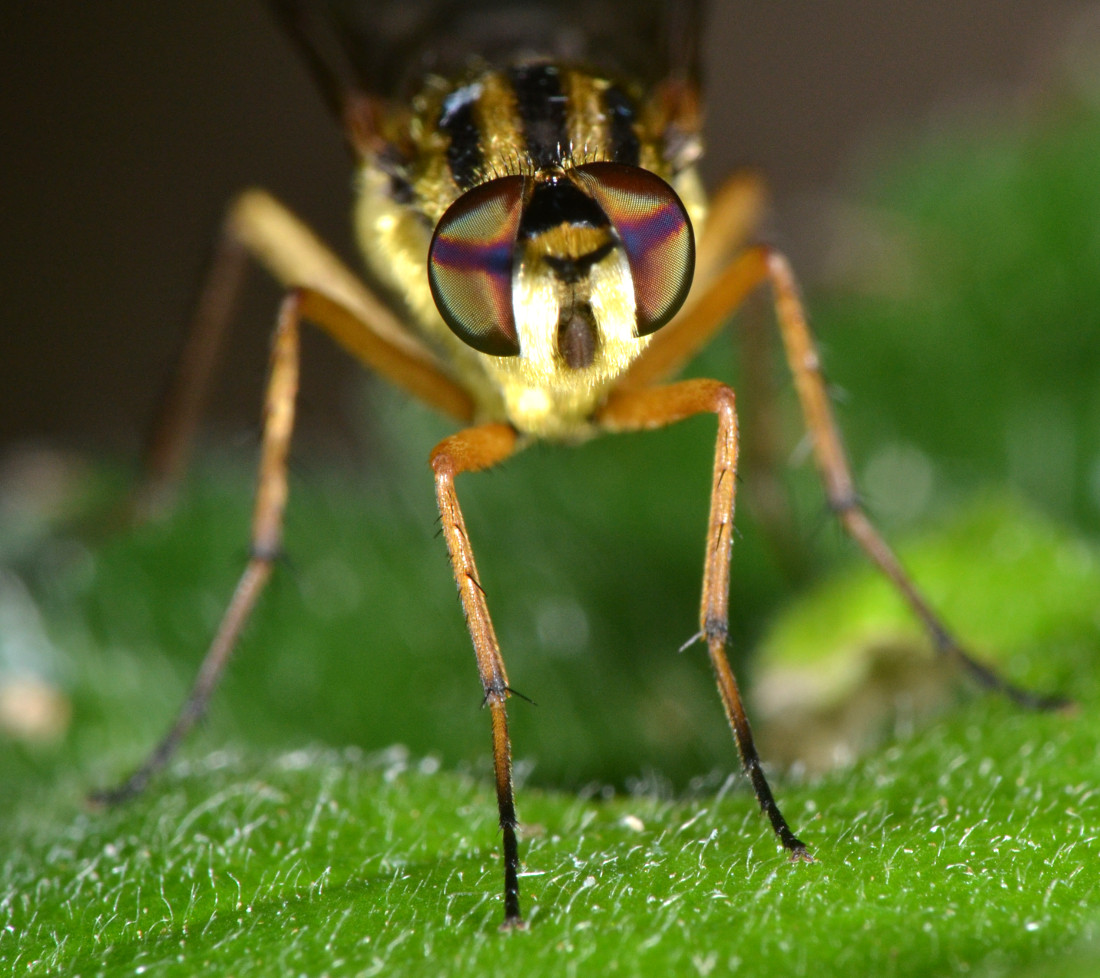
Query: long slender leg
[[470, 451], [656, 408], [673, 345], [322, 290], [267, 526], [258, 226], [176, 422], [832, 464], [733, 216]]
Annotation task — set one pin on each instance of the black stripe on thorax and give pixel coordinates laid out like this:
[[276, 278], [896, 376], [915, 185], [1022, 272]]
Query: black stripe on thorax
[[541, 105], [457, 121]]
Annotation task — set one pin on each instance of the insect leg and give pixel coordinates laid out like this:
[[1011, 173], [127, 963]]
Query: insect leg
[[175, 423], [835, 473], [266, 537], [673, 345], [258, 226], [656, 408], [724, 278], [470, 451]]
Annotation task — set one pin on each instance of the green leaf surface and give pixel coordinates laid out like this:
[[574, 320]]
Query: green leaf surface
[[974, 842]]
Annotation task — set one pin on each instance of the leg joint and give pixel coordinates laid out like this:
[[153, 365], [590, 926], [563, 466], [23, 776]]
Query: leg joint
[[506, 809], [716, 630], [496, 691], [266, 553], [725, 401], [442, 463], [842, 503]]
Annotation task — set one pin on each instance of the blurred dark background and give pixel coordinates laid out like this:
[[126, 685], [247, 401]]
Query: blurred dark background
[[128, 126]]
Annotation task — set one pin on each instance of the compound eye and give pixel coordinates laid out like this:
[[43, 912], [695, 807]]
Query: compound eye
[[655, 232], [470, 265]]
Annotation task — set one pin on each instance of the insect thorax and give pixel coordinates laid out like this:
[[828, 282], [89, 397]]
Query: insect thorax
[[541, 122]]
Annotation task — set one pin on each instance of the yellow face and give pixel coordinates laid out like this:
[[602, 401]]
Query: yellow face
[[575, 339], [537, 268]]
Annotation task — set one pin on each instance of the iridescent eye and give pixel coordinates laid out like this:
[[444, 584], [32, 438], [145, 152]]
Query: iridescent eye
[[655, 232], [470, 265]]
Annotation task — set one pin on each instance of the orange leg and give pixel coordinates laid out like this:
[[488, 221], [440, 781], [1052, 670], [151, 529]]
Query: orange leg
[[470, 451], [840, 490], [671, 348], [266, 538], [323, 291], [332, 297], [656, 408], [176, 421]]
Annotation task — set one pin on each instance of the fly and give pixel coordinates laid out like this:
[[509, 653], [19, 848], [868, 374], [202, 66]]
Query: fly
[[542, 261]]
